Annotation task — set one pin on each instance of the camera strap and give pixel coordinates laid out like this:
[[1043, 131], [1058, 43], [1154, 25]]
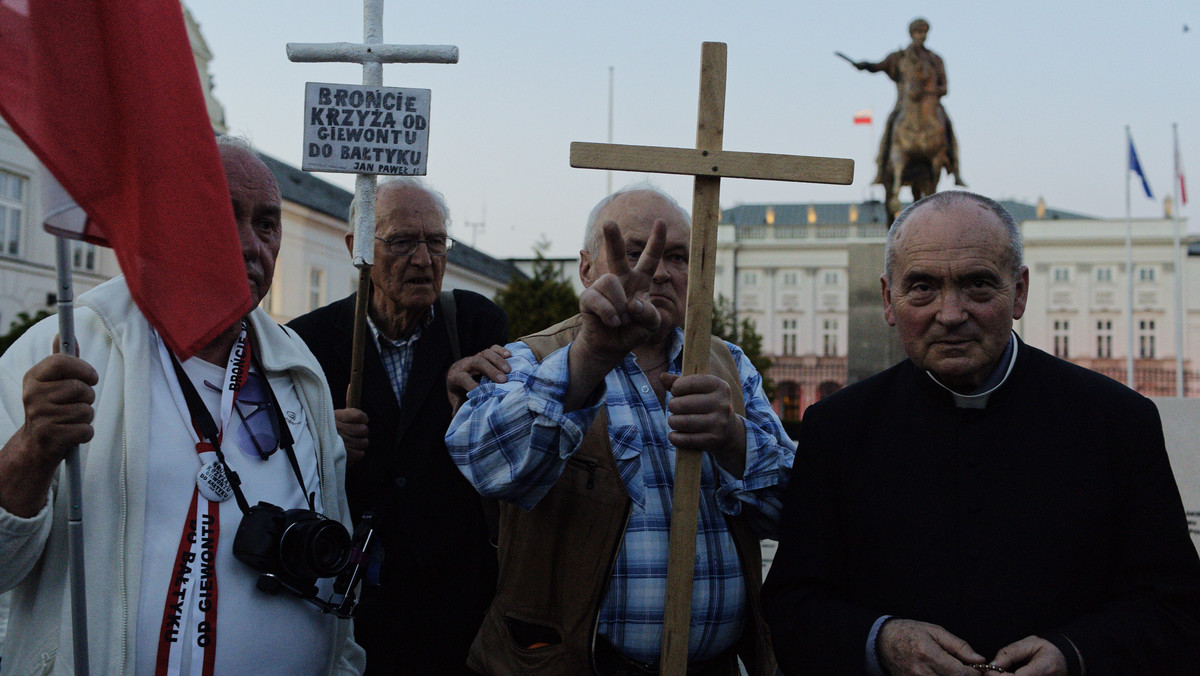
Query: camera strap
[[216, 480], [190, 608], [285, 433]]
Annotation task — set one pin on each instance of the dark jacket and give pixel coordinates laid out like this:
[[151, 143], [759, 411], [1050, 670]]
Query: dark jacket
[[1051, 512], [556, 559], [439, 570]]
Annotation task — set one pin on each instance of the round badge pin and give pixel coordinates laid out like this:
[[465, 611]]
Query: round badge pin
[[213, 483]]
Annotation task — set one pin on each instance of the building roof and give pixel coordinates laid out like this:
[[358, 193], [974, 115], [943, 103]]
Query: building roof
[[307, 190], [477, 261], [871, 211], [321, 196]]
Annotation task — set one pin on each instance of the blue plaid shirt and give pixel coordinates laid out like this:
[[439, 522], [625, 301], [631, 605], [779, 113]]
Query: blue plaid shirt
[[397, 355], [512, 440]]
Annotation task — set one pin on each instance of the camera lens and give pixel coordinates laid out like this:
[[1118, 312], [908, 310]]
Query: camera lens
[[314, 547]]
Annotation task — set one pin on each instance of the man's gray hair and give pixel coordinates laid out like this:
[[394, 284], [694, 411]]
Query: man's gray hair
[[943, 200], [402, 182], [592, 235], [235, 142]]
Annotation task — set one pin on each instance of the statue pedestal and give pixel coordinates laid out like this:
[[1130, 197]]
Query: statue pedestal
[[872, 345]]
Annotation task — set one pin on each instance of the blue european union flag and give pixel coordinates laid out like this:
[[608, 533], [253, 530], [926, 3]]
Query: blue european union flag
[[1136, 166]]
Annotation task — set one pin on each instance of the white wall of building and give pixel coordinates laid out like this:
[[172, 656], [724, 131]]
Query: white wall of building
[[27, 252], [792, 282], [1078, 284]]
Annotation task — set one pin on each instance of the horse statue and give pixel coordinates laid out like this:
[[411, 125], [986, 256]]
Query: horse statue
[[919, 150], [918, 140]]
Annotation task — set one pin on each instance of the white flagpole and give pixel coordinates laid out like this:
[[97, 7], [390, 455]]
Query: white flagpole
[[1175, 223], [608, 182], [1129, 258], [74, 475]]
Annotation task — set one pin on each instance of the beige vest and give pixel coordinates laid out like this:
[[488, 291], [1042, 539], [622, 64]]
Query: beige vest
[[556, 559]]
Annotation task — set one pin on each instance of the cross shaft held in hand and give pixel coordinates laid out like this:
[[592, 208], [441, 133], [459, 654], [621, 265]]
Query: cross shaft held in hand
[[372, 54], [709, 164]]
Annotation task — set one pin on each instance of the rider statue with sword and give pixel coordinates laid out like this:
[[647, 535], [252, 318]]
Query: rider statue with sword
[[918, 73]]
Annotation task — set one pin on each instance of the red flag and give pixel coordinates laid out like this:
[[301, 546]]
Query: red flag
[[863, 116], [106, 94]]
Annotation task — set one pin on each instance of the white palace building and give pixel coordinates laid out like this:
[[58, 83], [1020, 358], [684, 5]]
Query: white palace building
[[786, 269]]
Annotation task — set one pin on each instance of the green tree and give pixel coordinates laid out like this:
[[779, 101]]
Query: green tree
[[745, 336], [540, 301], [19, 326]]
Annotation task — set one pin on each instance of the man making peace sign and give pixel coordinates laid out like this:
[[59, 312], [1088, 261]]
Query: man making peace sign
[[579, 443]]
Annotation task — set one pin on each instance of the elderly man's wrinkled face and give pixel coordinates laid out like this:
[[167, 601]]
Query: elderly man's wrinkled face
[[407, 284], [255, 197], [953, 295], [635, 213]]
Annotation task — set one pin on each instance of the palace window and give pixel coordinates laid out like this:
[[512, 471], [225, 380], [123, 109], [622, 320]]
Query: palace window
[[1062, 329], [1062, 274], [750, 278], [83, 256], [1146, 347], [12, 211], [1104, 274], [1146, 274], [789, 331], [1104, 339], [829, 338], [316, 288]]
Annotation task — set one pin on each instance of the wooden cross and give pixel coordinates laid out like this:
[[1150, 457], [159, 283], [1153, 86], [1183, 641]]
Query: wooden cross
[[372, 54], [708, 163]]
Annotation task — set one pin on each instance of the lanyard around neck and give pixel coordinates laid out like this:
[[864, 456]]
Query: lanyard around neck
[[206, 428]]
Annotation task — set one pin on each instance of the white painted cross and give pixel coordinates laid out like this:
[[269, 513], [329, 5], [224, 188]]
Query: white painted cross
[[372, 54]]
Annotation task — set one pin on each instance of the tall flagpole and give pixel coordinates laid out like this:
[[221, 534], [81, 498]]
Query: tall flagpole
[[1175, 223], [1129, 258], [74, 471], [608, 183]]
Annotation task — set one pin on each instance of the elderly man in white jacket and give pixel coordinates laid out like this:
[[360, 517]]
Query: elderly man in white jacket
[[160, 438]]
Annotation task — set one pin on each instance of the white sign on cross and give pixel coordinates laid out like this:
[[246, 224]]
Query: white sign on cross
[[372, 54], [708, 163]]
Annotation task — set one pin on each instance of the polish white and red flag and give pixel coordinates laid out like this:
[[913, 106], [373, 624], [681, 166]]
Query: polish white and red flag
[[863, 116], [106, 95], [1179, 174]]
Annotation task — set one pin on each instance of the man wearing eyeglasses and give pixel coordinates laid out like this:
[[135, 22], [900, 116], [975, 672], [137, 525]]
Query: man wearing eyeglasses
[[439, 570]]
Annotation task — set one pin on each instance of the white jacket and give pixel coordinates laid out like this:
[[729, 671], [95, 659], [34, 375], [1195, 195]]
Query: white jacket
[[115, 339]]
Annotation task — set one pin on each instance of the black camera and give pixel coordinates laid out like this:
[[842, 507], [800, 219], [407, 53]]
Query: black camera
[[293, 548]]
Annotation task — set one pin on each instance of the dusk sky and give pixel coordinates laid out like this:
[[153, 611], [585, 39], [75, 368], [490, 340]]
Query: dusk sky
[[1039, 95]]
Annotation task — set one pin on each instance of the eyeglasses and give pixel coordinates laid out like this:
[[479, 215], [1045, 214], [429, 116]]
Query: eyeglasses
[[259, 432], [407, 246], [258, 435]]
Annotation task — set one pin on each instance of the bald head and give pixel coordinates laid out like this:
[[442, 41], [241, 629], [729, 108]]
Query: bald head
[[256, 211], [642, 194]]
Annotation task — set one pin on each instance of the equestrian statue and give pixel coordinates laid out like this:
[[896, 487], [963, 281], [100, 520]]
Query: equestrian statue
[[918, 141]]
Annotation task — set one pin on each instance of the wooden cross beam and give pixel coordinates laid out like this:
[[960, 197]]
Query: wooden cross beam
[[372, 54], [708, 163]]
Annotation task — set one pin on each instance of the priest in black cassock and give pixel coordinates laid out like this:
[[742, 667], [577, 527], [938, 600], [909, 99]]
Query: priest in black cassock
[[981, 507]]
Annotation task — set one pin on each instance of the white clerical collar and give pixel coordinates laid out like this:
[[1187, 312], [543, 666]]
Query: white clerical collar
[[993, 383]]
